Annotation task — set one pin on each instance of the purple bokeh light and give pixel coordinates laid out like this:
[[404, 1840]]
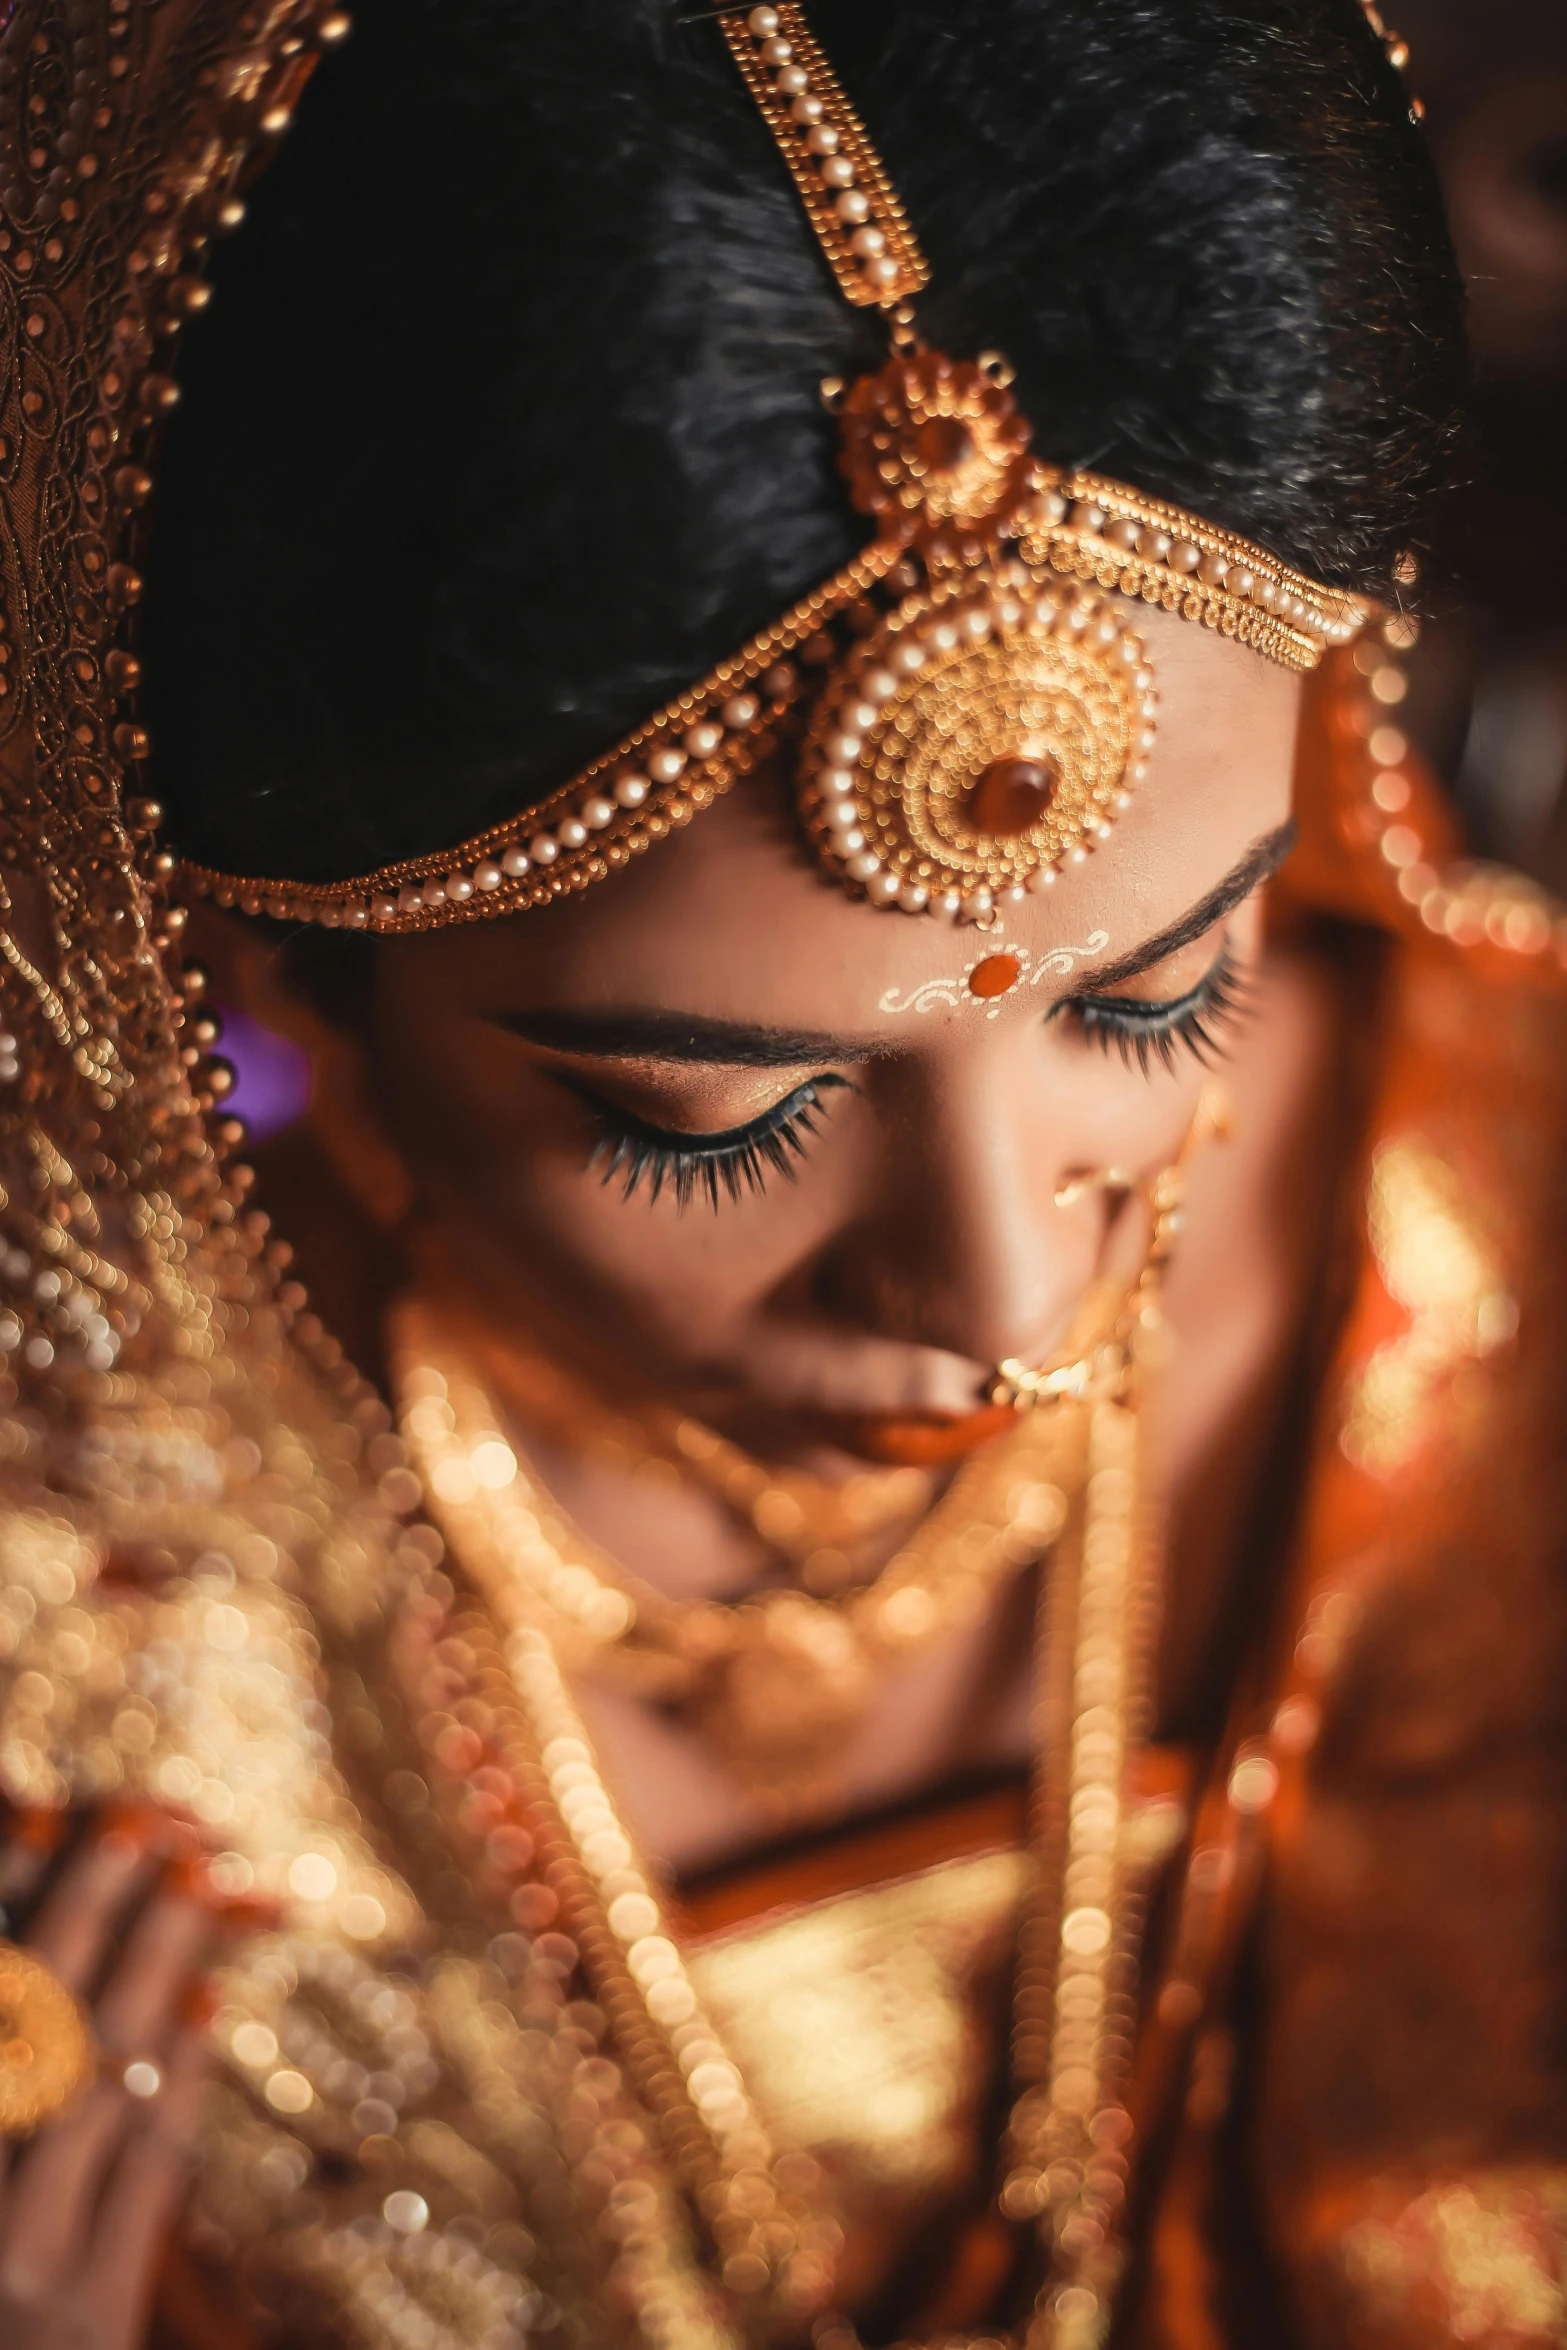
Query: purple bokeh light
[[271, 1075]]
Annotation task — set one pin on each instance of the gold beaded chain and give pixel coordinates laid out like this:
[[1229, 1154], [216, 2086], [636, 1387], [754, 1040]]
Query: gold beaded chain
[[687, 755], [778, 1682], [816, 1526], [1074, 2006], [849, 201], [1065, 2147]]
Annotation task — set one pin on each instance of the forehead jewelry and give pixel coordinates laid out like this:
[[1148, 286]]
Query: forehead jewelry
[[969, 703]]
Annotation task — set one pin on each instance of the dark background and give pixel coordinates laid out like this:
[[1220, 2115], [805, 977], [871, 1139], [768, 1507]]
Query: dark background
[[1488, 699]]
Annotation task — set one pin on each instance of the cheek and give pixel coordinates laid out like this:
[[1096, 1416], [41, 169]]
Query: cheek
[[499, 1150]]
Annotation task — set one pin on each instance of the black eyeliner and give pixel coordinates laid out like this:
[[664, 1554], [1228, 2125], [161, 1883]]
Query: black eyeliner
[[727, 1164], [1145, 1032]]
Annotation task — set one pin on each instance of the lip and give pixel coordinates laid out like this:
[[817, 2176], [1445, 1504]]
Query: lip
[[919, 1440]]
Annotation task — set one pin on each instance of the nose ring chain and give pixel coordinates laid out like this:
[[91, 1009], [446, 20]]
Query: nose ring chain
[[1102, 1367]]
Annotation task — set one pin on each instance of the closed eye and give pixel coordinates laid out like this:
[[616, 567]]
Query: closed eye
[[636, 1154], [1145, 1032]]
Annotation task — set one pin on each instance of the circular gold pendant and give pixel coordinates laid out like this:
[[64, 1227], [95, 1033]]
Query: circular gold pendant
[[986, 732], [46, 2051], [794, 1686]]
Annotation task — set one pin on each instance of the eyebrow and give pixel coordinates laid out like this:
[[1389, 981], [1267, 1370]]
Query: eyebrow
[[1263, 858], [636, 1035], [681, 1036]]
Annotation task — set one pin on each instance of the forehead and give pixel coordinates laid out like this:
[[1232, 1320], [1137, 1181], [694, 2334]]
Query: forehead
[[735, 919]]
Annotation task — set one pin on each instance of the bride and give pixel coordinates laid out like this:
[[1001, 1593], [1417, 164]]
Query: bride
[[853, 1643]]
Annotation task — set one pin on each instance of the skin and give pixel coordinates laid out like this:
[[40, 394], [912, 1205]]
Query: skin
[[919, 1243], [85, 2204]]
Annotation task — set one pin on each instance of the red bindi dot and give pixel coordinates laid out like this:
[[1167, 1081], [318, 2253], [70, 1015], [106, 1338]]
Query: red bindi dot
[[994, 976]]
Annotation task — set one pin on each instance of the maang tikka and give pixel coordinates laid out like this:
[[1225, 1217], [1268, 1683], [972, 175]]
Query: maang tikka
[[969, 702]]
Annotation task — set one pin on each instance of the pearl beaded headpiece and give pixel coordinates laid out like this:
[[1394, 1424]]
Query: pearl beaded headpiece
[[975, 700]]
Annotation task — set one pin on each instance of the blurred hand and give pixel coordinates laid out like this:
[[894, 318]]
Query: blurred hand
[[86, 2202]]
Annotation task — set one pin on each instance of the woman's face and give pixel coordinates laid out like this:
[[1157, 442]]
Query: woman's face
[[702, 1126]]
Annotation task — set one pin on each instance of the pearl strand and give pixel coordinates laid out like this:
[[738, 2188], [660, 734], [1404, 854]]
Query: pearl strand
[[697, 750], [792, 84], [874, 258]]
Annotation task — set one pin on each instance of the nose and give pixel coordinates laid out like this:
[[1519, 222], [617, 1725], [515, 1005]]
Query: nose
[[961, 1244]]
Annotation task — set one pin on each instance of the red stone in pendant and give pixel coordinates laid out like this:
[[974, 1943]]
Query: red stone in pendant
[[994, 976], [1011, 795], [942, 444]]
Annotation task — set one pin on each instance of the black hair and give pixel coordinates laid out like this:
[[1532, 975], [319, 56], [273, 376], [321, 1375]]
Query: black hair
[[504, 425]]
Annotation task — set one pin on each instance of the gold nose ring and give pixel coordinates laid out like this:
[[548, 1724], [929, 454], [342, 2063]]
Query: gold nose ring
[[1094, 1179]]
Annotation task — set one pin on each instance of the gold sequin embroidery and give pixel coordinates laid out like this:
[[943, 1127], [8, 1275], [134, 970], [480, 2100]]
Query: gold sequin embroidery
[[1435, 1263]]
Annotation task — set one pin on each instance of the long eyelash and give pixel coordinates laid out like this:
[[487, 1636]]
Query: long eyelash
[[1145, 1033], [634, 1153]]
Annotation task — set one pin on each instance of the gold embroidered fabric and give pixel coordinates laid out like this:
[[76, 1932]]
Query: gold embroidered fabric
[[856, 2020], [1480, 2258], [1440, 1269]]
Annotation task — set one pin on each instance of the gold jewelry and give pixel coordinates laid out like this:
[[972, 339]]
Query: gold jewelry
[[985, 731], [848, 198], [779, 1680], [1090, 1361], [1065, 2168], [816, 1526], [1086, 1365], [810, 1522], [46, 2048], [1080, 1187], [1395, 49], [985, 703], [1065, 2142]]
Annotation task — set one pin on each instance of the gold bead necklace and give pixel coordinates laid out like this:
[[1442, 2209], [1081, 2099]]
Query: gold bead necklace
[[1065, 2151], [778, 1681], [1066, 1479], [819, 1528]]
